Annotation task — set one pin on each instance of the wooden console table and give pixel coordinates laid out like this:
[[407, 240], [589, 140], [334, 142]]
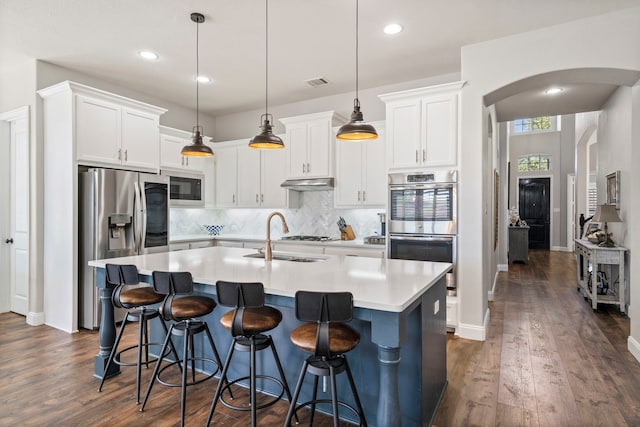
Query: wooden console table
[[590, 253]]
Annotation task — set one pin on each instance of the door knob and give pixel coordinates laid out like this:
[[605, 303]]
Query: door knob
[[9, 240]]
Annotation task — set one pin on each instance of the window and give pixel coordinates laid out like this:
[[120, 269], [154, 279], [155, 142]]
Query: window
[[536, 124], [534, 163]]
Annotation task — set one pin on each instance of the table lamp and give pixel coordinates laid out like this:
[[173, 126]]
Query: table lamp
[[606, 213]]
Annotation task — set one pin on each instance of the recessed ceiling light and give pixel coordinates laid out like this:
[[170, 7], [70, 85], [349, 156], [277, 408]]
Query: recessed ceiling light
[[147, 54], [553, 91], [392, 29], [203, 79]]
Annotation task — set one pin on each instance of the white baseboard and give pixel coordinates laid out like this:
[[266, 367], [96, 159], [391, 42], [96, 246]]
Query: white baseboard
[[634, 347], [473, 332], [561, 249], [503, 267], [493, 287], [35, 319]]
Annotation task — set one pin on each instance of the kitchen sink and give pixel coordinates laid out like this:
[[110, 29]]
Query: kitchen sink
[[283, 257]]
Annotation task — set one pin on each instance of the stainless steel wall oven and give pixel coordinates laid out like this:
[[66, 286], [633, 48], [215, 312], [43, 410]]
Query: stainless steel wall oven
[[422, 217]]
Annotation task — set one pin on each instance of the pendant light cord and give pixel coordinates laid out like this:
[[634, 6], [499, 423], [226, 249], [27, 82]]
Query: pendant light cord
[[266, 61], [357, 50], [197, 75]]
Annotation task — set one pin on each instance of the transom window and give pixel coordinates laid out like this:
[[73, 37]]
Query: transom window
[[534, 163], [536, 124]]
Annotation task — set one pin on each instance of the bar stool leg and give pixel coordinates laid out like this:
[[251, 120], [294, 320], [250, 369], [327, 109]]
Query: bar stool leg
[[252, 381], [223, 376], [183, 391], [363, 421], [217, 356], [113, 351], [334, 396], [282, 377], [296, 393], [314, 396], [157, 367], [142, 339]]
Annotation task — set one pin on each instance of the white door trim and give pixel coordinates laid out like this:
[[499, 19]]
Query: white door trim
[[17, 228]]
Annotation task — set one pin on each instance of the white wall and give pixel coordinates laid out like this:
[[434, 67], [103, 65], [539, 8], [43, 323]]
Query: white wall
[[245, 124], [634, 226], [614, 145], [177, 116], [17, 89], [610, 41]]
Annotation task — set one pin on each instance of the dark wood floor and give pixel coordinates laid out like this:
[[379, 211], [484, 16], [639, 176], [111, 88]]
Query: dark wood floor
[[549, 360]]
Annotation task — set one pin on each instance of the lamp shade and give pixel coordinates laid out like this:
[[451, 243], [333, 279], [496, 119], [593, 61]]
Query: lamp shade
[[357, 129], [606, 213], [197, 148], [266, 139]]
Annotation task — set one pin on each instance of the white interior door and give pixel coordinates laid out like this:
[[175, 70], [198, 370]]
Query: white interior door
[[18, 237]]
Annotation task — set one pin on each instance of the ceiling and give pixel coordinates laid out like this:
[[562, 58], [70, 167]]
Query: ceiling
[[307, 39]]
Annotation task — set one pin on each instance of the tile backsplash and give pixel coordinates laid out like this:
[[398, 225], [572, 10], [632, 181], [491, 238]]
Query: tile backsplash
[[316, 216]]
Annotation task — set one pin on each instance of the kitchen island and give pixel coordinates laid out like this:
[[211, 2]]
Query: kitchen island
[[400, 364]]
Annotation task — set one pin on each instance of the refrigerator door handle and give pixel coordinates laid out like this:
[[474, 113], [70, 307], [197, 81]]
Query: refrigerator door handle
[[143, 220], [137, 218]]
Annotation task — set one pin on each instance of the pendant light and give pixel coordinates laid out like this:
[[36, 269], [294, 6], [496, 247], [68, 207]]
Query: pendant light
[[197, 147], [356, 129], [266, 139]]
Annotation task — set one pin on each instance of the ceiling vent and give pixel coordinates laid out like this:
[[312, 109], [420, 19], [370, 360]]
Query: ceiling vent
[[318, 81]]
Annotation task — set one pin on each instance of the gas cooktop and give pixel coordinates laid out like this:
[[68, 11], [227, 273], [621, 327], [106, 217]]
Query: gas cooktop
[[308, 238]]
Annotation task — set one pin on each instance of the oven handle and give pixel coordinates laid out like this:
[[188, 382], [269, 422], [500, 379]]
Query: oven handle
[[422, 186], [421, 238]]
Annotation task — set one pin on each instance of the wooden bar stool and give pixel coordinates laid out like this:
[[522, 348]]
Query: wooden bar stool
[[182, 312], [247, 323], [136, 300], [327, 339]]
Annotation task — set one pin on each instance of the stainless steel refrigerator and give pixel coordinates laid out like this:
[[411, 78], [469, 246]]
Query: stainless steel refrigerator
[[121, 213]]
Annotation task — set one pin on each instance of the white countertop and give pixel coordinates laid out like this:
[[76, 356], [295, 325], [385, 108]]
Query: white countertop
[[376, 283], [357, 243]]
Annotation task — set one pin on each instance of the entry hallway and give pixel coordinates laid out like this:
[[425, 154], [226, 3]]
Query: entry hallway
[[549, 360]]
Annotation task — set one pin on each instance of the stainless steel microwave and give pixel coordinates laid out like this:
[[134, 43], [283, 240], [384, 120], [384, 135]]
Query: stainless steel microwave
[[186, 189]]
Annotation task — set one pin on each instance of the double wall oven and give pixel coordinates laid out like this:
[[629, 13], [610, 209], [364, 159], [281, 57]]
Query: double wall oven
[[422, 217]]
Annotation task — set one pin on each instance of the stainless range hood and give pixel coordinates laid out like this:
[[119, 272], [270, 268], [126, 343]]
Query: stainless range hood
[[310, 184]]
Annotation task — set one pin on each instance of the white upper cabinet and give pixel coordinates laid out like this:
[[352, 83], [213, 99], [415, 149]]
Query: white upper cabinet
[[226, 170], [361, 177], [110, 130], [422, 126], [309, 140], [251, 178], [171, 143]]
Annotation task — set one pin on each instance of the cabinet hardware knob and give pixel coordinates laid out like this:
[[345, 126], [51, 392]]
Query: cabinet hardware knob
[[262, 198], [257, 197], [119, 154], [9, 240], [358, 195], [304, 168], [424, 155], [126, 155], [416, 156], [308, 167], [364, 195], [234, 198]]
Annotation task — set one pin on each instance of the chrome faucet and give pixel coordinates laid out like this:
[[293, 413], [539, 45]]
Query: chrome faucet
[[267, 253]]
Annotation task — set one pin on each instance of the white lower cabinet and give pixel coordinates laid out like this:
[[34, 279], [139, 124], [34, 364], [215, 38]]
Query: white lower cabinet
[[229, 243], [375, 252], [195, 244], [452, 312]]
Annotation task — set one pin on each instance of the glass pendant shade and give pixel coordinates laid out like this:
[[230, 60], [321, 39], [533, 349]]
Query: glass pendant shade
[[356, 129], [197, 148], [266, 139]]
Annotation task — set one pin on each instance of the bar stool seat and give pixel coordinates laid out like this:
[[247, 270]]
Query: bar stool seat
[[183, 313], [327, 338], [342, 338], [136, 299], [248, 322]]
